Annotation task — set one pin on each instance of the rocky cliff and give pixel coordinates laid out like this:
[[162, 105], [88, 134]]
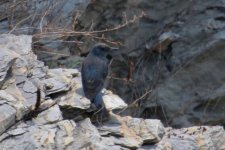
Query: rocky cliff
[[63, 119], [173, 56], [173, 51]]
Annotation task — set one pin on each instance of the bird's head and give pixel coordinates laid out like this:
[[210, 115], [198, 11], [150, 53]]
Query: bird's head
[[103, 50]]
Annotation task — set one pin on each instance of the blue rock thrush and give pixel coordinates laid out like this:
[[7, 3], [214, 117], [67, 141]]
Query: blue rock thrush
[[95, 70]]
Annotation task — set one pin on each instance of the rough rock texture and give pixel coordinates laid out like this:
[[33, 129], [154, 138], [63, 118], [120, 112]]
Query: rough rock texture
[[202, 137], [41, 17], [52, 129], [113, 102], [175, 51], [19, 67]]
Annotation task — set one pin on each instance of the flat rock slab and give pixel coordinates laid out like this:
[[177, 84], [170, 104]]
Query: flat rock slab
[[128, 142], [112, 101], [58, 80], [51, 115], [54, 85], [150, 130], [133, 132], [75, 98], [110, 129]]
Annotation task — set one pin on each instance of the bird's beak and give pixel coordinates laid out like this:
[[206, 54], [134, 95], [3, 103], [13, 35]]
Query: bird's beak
[[116, 54]]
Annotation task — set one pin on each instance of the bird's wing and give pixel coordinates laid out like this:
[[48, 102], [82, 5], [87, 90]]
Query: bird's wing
[[105, 70], [94, 72], [92, 82]]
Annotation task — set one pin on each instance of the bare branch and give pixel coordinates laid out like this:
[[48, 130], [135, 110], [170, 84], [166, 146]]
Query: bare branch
[[135, 101], [88, 33]]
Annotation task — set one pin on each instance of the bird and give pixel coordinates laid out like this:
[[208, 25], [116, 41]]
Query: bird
[[94, 71]]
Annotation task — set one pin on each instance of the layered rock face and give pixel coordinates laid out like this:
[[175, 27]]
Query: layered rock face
[[175, 50], [63, 119]]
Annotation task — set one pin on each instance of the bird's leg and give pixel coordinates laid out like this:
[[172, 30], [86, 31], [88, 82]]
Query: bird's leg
[[96, 103], [98, 100]]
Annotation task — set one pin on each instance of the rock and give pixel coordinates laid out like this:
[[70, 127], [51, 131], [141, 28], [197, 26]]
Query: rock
[[29, 87], [46, 104], [127, 142], [208, 137], [18, 59], [87, 134], [133, 132], [67, 10], [65, 134], [17, 131], [75, 98], [142, 130], [52, 128], [18, 42], [6, 60], [28, 73], [150, 130], [180, 57], [113, 102], [39, 137], [201, 137], [54, 86], [72, 72], [169, 50], [8, 117], [57, 81], [51, 115], [17, 99], [192, 101], [110, 129], [161, 45], [17, 103]]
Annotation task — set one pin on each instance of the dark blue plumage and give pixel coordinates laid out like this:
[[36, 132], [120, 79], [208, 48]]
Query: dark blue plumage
[[95, 70]]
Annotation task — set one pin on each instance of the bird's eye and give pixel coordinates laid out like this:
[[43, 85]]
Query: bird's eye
[[104, 49], [109, 57]]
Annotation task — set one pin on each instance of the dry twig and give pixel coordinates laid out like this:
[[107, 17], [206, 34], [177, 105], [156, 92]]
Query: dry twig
[[88, 33], [135, 101]]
